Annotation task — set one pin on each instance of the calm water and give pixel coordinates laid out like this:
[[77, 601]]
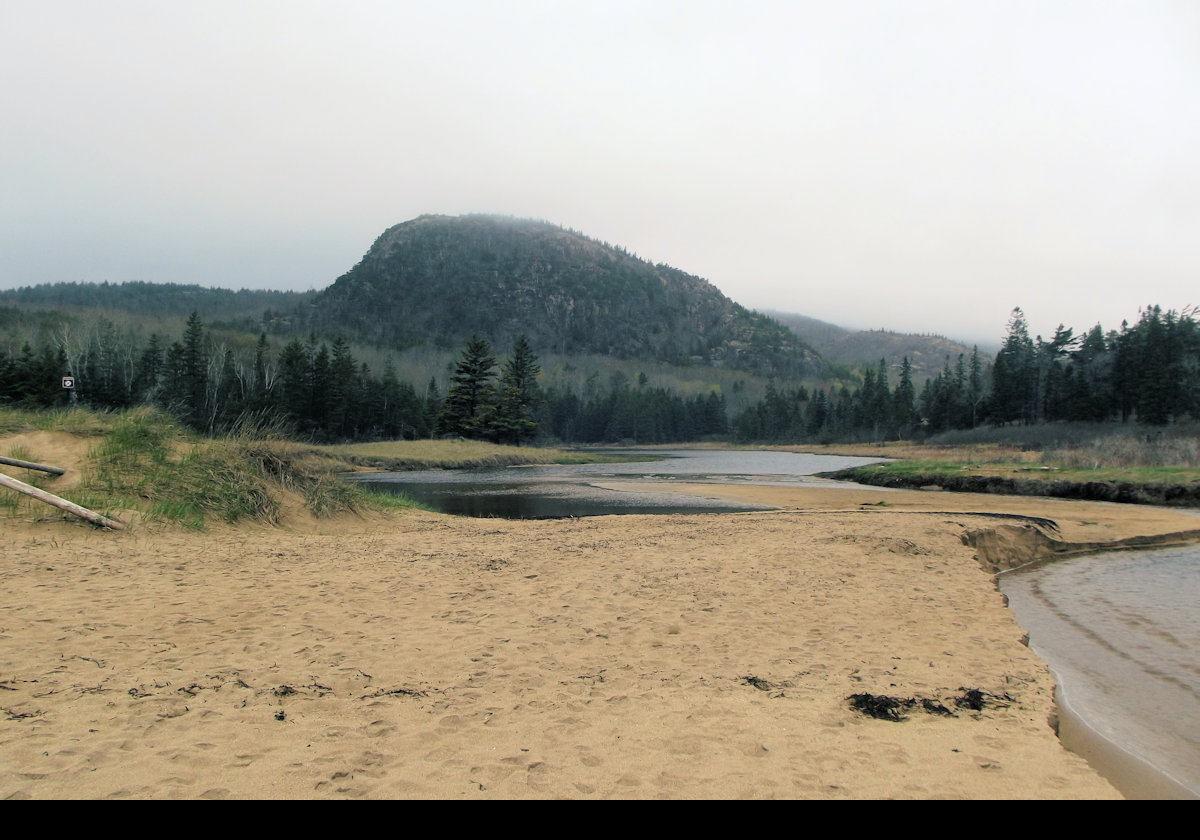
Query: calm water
[[1122, 634], [593, 489]]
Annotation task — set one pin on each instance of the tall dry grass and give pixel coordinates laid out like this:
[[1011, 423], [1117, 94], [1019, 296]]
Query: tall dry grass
[[1095, 447], [144, 461]]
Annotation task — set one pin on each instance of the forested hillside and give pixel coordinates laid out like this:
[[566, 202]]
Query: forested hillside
[[441, 280], [926, 354], [153, 301]]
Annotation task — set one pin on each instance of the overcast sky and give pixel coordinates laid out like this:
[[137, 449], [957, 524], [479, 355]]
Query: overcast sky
[[919, 166]]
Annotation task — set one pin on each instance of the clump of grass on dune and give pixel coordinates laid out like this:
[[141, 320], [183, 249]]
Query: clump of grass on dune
[[146, 462], [301, 469]]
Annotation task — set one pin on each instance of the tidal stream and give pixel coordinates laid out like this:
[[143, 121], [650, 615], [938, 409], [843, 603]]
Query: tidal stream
[[1121, 632], [576, 490]]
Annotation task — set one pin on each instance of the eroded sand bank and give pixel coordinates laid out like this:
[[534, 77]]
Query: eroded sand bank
[[425, 655]]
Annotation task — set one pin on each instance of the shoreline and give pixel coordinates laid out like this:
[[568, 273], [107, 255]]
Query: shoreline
[[1134, 777], [1027, 547], [1121, 492], [1111, 711]]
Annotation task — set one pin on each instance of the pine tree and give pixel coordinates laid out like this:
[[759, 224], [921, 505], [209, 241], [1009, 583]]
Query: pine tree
[[514, 419], [904, 399], [194, 372], [470, 403], [1014, 374], [292, 392], [975, 391], [145, 382], [343, 414]]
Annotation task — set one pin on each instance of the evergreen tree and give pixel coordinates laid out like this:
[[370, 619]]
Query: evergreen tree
[[470, 402], [320, 379], [904, 403], [343, 416], [145, 381], [293, 382], [1014, 373], [174, 391], [193, 371], [976, 394], [1156, 386], [514, 418]]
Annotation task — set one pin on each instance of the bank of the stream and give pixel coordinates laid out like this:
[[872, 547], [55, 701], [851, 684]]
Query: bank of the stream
[[913, 477]]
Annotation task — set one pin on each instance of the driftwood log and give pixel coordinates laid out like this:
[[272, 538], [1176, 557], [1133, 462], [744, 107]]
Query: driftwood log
[[29, 465], [62, 504]]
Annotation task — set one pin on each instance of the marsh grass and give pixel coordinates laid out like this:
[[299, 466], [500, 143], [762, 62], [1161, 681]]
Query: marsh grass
[[391, 500], [461, 454], [1075, 451], [1126, 451]]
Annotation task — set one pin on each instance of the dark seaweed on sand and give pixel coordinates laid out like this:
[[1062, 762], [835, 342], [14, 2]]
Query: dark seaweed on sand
[[883, 707], [880, 706]]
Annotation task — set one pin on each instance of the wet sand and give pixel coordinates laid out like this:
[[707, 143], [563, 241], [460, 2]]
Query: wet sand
[[421, 655]]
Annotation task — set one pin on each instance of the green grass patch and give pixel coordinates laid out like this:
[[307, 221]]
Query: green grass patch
[[81, 422], [390, 500], [402, 455], [933, 472]]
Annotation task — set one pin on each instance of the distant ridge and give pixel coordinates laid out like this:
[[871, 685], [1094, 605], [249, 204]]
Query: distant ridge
[[438, 280], [154, 299], [926, 353]]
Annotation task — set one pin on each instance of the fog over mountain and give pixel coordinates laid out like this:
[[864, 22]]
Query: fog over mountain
[[918, 166]]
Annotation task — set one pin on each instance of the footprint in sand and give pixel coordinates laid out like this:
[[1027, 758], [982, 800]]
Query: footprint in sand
[[452, 723]]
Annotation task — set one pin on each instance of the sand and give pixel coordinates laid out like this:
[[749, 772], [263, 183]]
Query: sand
[[421, 655]]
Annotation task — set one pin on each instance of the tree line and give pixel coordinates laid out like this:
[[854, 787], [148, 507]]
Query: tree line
[[1148, 371], [318, 391]]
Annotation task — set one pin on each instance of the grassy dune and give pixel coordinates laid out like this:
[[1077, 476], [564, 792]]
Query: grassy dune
[[142, 462]]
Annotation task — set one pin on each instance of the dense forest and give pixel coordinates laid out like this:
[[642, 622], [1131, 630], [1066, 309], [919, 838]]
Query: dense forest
[[318, 390], [1147, 372]]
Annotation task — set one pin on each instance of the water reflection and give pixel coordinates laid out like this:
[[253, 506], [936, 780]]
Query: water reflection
[[574, 490]]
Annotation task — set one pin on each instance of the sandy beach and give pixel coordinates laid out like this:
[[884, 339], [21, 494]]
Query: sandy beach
[[422, 655]]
